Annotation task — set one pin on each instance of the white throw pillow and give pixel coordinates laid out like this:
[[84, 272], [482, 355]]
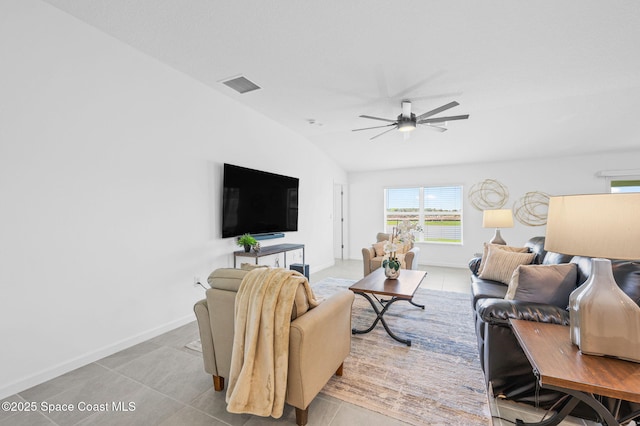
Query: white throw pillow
[[485, 252], [500, 264]]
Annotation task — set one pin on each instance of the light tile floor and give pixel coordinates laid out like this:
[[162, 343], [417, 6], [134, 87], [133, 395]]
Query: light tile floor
[[168, 386]]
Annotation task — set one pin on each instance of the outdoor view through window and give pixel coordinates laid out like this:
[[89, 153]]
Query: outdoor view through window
[[435, 212], [619, 186]]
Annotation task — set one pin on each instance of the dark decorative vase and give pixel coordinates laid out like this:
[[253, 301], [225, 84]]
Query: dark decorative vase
[[247, 248]]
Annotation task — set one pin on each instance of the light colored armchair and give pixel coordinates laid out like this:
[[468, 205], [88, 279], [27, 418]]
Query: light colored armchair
[[319, 339], [373, 256]]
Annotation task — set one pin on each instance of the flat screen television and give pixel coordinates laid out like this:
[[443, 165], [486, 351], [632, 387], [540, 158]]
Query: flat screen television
[[258, 202]]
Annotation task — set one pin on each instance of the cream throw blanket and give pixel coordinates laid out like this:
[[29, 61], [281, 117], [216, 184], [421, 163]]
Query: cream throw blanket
[[260, 354]]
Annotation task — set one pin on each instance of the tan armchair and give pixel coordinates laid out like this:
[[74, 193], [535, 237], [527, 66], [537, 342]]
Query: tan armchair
[[373, 256], [319, 339]]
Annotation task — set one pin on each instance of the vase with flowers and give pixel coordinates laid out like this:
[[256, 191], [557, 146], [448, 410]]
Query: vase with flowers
[[406, 232], [391, 264]]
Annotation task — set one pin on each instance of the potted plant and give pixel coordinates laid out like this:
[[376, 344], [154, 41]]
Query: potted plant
[[246, 241], [391, 264]]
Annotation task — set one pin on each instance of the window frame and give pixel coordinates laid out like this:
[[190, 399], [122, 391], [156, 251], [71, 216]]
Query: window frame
[[422, 213]]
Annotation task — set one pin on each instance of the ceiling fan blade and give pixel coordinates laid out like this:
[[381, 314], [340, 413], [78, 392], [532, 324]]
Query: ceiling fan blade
[[436, 128], [375, 127], [386, 131], [378, 118], [437, 110], [443, 119]]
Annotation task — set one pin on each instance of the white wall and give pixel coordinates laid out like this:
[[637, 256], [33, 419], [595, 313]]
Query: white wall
[[555, 176], [110, 168]]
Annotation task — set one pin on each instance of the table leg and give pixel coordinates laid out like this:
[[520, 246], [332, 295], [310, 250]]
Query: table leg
[[410, 301], [380, 317], [416, 304], [574, 398]]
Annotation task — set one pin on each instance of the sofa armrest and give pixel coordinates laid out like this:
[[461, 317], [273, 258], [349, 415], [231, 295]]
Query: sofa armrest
[[411, 258], [474, 265], [201, 310], [319, 342], [500, 311], [367, 254]]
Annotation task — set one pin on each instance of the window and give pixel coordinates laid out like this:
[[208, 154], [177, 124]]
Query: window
[[619, 186], [437, 210]]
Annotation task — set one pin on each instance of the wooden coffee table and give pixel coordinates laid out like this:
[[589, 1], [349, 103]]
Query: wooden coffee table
[[559, 365], [376, 284]]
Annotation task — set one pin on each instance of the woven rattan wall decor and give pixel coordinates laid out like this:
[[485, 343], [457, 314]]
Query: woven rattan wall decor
[[531, 209], [488, 195]]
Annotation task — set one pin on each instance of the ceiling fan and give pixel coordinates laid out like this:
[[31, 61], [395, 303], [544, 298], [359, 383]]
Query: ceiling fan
[[408, 121]]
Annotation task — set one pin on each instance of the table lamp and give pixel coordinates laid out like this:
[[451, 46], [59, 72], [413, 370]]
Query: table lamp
[[603, 319], [501, 218]]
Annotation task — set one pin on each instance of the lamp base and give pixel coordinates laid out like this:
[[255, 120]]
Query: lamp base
[[603, 319], [497, 238]]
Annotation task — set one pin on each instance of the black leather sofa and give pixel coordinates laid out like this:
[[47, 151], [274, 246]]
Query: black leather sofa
[[504, 363]]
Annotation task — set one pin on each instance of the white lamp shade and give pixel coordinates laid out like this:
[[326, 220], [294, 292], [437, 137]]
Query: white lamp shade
[[501, 218], [595, 225]]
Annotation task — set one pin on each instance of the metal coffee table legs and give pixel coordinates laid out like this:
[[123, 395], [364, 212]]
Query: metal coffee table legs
[[380, 315]]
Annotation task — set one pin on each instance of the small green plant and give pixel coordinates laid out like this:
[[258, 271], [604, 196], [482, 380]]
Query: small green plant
[[246, 240], [393, 263]]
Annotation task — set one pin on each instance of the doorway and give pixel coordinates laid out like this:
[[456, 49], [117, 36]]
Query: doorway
[[339, 221]]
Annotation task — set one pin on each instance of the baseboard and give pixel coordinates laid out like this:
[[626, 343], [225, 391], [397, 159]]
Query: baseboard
[[82, 360]]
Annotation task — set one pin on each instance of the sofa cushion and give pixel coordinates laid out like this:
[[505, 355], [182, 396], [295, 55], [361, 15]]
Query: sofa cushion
[[485, 252], [226, 279], [403, 248], [500, 264], [552, 258], [627, 275], [379, 248], [251, 266], [229, 279], [485, 289], [536, 246], [550, 284]]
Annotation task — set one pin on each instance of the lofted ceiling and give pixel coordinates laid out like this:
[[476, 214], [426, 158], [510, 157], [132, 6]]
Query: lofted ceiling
[[538, 78]]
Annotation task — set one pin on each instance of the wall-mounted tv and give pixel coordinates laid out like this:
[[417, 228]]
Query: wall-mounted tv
[[258, 202]]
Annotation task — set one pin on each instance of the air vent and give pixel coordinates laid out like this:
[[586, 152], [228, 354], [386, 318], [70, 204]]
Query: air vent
[[241, 84]]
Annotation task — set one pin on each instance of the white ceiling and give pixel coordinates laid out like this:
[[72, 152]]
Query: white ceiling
[[538, 78]]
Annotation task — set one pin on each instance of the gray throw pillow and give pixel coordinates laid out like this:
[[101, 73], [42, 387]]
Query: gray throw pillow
[[551, 284]]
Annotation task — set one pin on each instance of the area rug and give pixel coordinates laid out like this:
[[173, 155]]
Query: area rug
[[435, 381]]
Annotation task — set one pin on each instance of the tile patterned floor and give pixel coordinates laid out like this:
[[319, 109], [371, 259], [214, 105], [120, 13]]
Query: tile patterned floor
[[166, 382]]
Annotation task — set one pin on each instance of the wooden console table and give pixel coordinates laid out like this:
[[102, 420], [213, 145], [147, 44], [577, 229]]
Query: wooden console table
[[559, 365], [268, 251]]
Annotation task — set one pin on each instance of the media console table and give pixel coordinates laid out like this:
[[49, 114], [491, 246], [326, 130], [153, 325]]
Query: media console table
[[268, 251]]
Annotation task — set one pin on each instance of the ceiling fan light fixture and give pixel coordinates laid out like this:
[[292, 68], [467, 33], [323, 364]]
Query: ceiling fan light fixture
[[406, 126]]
